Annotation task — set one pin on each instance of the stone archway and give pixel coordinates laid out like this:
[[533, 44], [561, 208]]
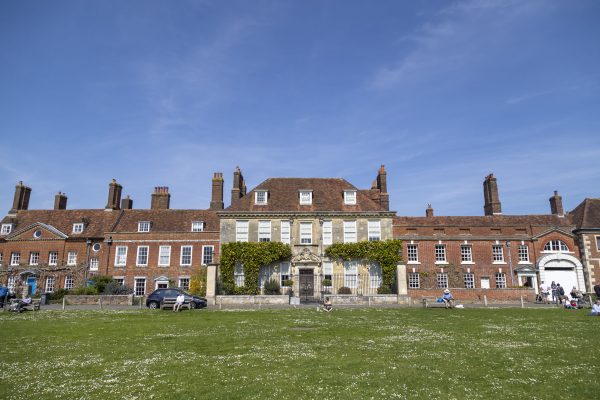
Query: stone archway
[[559, 267]]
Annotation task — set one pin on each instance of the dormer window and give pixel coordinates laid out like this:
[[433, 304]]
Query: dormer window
[[305, 197], [6, 229], [78, 227], [144, 226], [260, 197], [197, 226], [349, 196]]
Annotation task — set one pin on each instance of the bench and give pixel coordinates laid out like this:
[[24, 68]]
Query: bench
[[33, 306], [431, 302], [169, 302]]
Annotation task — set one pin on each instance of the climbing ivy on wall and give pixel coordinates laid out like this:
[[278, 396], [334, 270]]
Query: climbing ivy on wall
[[252, 256], [387, 253]]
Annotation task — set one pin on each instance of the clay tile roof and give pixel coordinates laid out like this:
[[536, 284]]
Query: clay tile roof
[[167, 220], [97, 222], [587, 214], [328, 195], [486, 221]]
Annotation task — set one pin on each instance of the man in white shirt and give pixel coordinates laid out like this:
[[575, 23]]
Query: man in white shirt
[[595, 309], [178, 302]]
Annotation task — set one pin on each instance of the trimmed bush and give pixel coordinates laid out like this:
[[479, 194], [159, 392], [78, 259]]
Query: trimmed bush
[[58, 294], [384, 290], [344, 290], [113, 288], [271, 287]]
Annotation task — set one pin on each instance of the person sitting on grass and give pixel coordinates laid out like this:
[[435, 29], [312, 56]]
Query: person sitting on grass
[[448, 299], [595, 309], [178, 302], [327, 306]]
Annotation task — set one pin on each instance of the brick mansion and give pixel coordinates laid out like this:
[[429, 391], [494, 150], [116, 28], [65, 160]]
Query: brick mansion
[[501, 256]]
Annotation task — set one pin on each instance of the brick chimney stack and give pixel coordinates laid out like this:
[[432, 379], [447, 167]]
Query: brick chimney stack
[[114, 196], [556, 206], [384, 197], [429, 211], [161, 198], [127, 203], [492, 204], [216, 202], [21, 199], [60, 201], [239, 186]]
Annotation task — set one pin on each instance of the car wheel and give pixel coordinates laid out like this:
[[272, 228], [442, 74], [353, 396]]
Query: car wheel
[[153, 305], [195, 306]]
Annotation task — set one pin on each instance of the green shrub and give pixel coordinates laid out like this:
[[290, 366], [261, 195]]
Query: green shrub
[[113, 288], [384, 290], [326, 282], [100, 281], [198, 282], [58, 294], [85, 290], [288, 283], [225, 288], [271, 287], [344, 290]]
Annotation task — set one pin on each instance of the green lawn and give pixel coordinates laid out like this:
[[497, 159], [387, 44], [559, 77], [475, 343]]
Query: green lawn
[[301, 354]]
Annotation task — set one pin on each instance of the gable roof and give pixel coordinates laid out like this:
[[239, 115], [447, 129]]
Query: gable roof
[[47, 227], [486, 221], [587, 214], [327, 195], [167, 220]]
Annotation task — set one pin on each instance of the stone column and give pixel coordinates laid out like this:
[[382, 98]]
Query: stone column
[[211, 284], [401, 280]]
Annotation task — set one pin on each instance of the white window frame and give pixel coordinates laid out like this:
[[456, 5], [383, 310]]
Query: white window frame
[[523, 252], [414, 280], [15, 258], [49, 284], [598, 243], [120, 257], [94, 264], [264, 231], [72, 258], [328, 271], [412, 253], [144, 226], [351, 274], [469, 280], [285, 231], [556, 246], [6, 229], [500, 280], [141, 259], [164, 256], [327, 232], [466, 254], [53, 258], [34, 258], [261, 197], [440, 254], [11, 285], [350, 234], [284, 272], [498, 254], [442, 280], [306, 232], [238, 274], [181, 255], [374, 230], [306, 197], [78, 227], [184, 283], [69, 282], [205, 254], [350, 197], [120, 280], [136, 286], [197, 226], [241, 230], [375, 275]]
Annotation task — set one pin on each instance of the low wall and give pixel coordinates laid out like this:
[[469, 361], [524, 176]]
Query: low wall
[[124, 300], [247, 299], [477, 295], [352, 299]]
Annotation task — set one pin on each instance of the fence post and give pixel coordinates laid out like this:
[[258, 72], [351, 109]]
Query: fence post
[[100, 301], [64, 303], [522, 302], [485, 300]]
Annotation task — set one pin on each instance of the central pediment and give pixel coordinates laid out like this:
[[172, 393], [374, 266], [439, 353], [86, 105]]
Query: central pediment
[[306, 256]]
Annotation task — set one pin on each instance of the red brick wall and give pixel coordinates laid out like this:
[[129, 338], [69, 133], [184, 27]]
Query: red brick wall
[[477, 295]]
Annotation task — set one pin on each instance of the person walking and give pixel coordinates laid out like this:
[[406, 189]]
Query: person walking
[[553, 291], [560, 293]]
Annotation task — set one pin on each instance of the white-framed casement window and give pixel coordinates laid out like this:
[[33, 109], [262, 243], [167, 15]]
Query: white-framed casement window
[[49, 287], [120, 280], [284, 272], [186, 256], [285, 232], [142, 256], [139, 286], [238, 274], [207, 254], [69, 282], [144, 226], [500, 280], [440, 253], [327, 232], [11, 285], [184, 283], [469, 279], [53, 258], [523, 253], [197, 226], [164, 256], [375, 275], [94, 263], [350, 197], [414, 281], [556, 246], [442, 280], [374, 230], [6, 229], [349, 231], [121, 256], [305, 197], [466, 253], [15, 258], [34, 258], [72, 258], [328, 272], [264, 231], [498, 253], [351, 273], [598, 243], [412, 252], [241, 231], [260, 197], [305, 232], [78, 227]]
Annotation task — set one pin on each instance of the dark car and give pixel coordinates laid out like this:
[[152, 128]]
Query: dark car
[[155, 299]]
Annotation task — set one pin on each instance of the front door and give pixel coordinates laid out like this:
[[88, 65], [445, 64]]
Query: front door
[[32, 283], [307, 285]]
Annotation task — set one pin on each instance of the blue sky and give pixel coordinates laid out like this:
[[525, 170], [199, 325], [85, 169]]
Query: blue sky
[[164, 93]]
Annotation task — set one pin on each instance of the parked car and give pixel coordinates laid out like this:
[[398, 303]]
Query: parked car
[[5, 295], [155, 299]]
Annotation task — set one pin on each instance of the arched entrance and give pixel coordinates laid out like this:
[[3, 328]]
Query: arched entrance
[[562, 268]]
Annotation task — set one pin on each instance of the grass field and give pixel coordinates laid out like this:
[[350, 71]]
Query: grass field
[[301, 354]]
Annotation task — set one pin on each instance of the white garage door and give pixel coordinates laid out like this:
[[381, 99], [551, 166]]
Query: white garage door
[[566, 278]]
